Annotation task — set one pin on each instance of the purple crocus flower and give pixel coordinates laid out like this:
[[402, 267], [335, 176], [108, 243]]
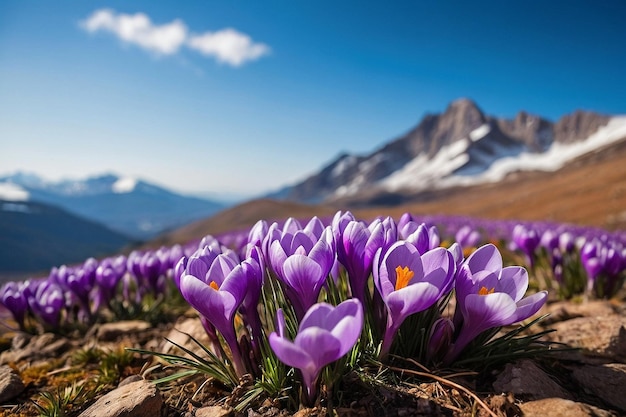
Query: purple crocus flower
[[527, 240], [301, 261], [355, 251], [439, 339], [468, 237], [13, 298], [489, 296], [48, 302], [325, 334], [410, 282], [590, 258], [108, 275], [216, 285]]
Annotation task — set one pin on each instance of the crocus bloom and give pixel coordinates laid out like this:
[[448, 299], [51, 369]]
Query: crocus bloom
[[489, 296], [526, 239], [410, 282], [467, 237], [13, 298], [47, 303], [216, 286], [355, 251], [301, 261], [108, 275], [325, 334]]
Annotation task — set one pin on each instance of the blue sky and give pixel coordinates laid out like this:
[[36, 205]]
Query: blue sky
[[244, 97]]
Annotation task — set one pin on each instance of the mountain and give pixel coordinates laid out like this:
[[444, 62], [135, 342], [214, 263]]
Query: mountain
[[37, 236], [126, 205], [590, 190], [461, 146]]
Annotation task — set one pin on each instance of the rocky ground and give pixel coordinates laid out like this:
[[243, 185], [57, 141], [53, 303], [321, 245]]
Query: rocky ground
[[94, 376]]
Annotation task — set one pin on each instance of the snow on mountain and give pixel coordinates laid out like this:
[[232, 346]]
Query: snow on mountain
[[124, 185], [13, 192], [123, 204], [556, 157], [461, 146], [447, 169]]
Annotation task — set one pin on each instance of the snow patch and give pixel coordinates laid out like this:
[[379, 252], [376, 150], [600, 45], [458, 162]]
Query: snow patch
[[480, 132], [13, 192], [124, 185], [446, 168], [343, 165], [554, 158], [422, 172]]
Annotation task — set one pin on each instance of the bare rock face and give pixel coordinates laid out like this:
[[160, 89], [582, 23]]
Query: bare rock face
[[559, 407], [11, 384], [605, 381], [534, 131], [525, 378], [137, 399], [578, 126]]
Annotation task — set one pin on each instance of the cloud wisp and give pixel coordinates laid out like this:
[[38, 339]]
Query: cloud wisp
[[227, 46]]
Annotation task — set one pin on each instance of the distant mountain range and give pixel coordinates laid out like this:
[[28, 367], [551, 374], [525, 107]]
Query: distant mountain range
[[460, 147], [126, 205], [36, 236]]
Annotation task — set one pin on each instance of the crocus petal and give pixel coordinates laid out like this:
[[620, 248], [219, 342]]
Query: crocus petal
[[302, 274], [312, 339], [486, 257], [289, 353], [319, 315], [411, 299], [482, 312], [209, 302], [514, 281], [530, 305], [439, 268]]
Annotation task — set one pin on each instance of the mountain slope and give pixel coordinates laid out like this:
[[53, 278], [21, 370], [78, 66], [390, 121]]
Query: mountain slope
[[461, 146], [590, 190], [127, 205], [36, 236]]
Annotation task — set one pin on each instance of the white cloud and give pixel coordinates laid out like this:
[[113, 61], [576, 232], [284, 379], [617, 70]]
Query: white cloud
[[139, 30], [228, 46]]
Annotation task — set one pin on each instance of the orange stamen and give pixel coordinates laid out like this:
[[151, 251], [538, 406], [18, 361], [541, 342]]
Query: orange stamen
[[214, 285], [485, 291], [403, 277]]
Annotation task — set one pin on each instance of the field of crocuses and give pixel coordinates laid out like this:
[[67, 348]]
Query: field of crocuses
[[298, 306]]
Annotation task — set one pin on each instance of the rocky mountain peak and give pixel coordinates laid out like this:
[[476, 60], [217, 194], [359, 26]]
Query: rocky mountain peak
[[534, 131], [578, 126], [460, 146]]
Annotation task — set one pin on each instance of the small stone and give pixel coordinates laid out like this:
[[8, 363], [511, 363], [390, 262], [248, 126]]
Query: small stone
[[11, 384], [526, 378], [41, 346], [214, 411], [606, 382], [559, 407], [597, 336], [137, 399], [109, 332]]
